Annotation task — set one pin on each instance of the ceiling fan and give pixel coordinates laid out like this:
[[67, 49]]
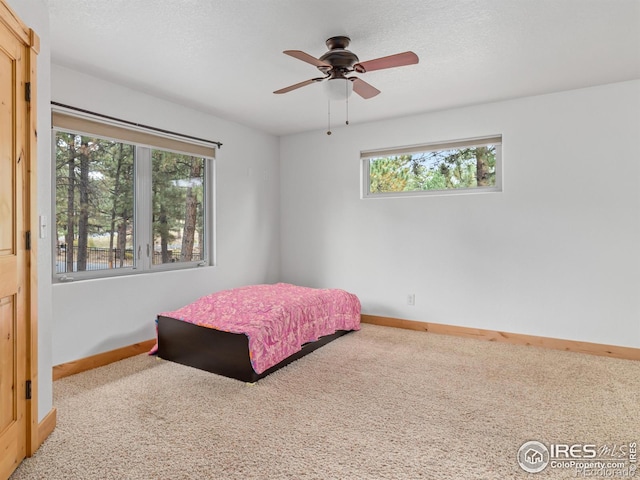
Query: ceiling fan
[[339, 62]]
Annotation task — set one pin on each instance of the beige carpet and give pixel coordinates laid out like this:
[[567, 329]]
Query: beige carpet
[[381, 403]]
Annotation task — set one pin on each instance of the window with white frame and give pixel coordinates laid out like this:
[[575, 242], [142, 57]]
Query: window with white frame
[[127, 201], [461, 166]]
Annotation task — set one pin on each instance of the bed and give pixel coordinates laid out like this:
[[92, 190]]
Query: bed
[[249, 332]]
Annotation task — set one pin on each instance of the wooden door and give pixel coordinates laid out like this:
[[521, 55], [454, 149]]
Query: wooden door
[[14, 269]]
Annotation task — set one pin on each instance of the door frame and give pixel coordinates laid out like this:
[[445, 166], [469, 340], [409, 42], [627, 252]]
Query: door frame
[[31, 42]]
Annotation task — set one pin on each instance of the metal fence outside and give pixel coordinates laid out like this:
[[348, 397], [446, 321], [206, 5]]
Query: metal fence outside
[[107, 259]]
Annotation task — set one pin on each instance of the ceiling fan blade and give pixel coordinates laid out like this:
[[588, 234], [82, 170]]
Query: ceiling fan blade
[[397, 60], [363, 89], [298, 85], [305, 57]]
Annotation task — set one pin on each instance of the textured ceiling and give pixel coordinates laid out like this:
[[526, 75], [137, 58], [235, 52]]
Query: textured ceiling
[[225, 57]]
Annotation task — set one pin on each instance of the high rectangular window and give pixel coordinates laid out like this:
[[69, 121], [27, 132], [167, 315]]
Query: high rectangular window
[[127, 201], [462, 166]]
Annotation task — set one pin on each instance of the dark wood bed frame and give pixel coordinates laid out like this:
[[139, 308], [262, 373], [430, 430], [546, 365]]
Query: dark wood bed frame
[[219, 352]]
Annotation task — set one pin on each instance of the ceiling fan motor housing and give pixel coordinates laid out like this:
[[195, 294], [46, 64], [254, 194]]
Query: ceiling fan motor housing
[[340, 59]]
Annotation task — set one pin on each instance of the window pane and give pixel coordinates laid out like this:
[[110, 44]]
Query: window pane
[[94, 203], [178, 213], [468, 167]]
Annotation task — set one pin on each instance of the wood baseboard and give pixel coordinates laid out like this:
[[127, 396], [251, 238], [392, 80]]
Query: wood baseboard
[[626, 353], [46, 426], [101, 359]]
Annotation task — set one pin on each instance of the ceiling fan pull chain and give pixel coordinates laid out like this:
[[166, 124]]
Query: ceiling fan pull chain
[[346, 96], [328, 117]]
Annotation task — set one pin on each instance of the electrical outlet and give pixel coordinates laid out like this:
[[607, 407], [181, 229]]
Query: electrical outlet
[[411, 299]]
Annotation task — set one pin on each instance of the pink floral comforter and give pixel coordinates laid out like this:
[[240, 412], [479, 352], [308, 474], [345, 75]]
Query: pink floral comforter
[[278, 319]]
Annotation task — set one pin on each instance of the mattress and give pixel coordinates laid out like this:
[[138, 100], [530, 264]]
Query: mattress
[[278, 319]]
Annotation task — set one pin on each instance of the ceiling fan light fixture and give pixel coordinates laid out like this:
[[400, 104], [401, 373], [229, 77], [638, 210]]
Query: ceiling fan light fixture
[[338, 88]]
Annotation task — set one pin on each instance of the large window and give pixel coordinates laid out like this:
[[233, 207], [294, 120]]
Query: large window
[[124, 206], [464, 166]]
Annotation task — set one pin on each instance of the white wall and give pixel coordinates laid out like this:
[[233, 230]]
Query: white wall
[[556, 254], [95, 316], [36, 16]]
